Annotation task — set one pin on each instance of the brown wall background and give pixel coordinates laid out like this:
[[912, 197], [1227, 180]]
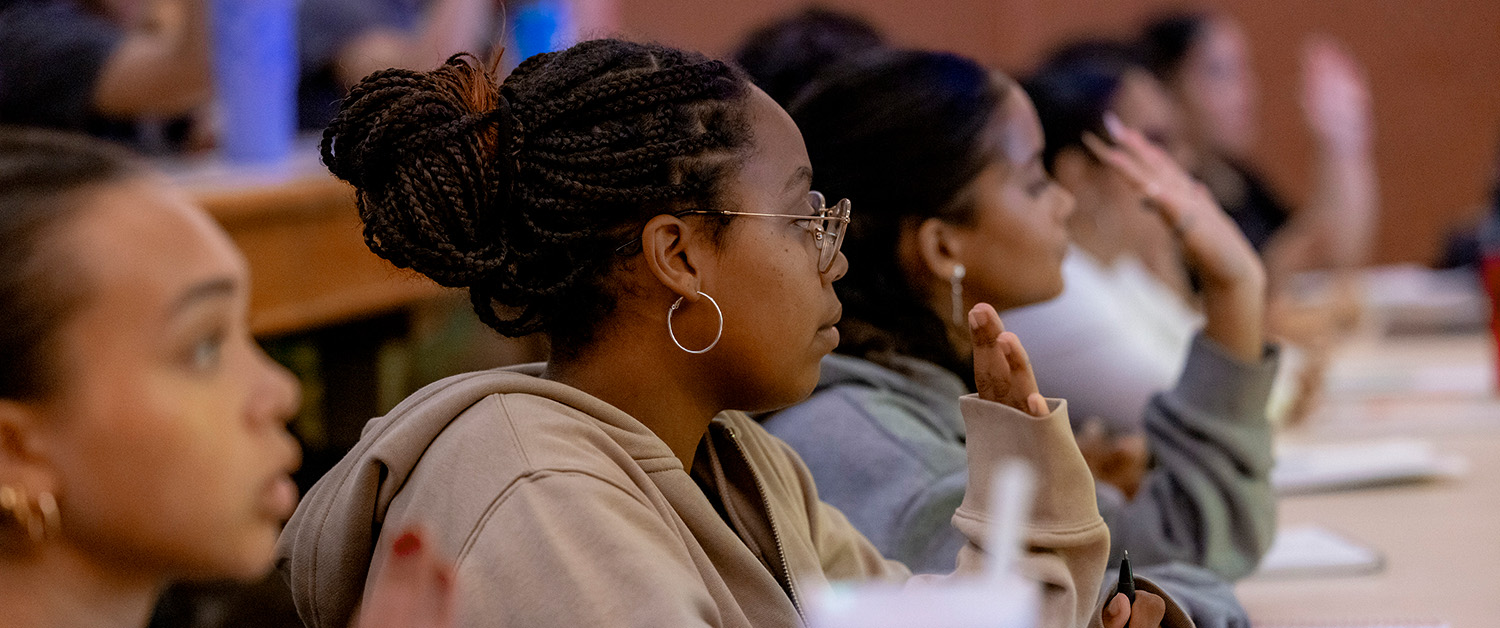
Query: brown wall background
[[1434, 68]]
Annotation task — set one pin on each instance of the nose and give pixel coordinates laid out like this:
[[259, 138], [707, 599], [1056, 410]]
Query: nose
[[278, 393], [839, 268]]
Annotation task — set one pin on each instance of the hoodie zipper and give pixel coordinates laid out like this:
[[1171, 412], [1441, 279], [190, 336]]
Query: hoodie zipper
[[786, 570]]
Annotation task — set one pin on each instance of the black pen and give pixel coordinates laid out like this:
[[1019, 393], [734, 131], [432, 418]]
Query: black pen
[[1127, 579]]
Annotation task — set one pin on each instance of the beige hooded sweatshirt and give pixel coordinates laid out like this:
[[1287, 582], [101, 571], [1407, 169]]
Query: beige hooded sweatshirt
[[561, 510]]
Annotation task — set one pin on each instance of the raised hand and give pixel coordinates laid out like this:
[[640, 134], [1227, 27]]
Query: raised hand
[[1002, 372], [1234, 280], [1335, 97]]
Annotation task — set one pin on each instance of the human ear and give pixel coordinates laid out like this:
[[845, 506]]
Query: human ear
[[668, 245], [938, 247], [22, 464]]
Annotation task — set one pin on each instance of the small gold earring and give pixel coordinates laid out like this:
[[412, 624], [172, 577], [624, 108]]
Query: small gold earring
[[45, 523], [51, 516]]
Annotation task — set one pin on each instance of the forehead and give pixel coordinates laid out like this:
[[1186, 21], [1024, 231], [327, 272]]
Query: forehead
[[142, 241], [1014, 132], [1143, 102], [777, 149], [1222, 38]]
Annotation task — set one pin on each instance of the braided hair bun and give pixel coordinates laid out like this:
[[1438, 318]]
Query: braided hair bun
[[522, 192]]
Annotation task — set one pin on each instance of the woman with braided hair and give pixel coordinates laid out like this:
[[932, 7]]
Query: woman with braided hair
[[650, 211]]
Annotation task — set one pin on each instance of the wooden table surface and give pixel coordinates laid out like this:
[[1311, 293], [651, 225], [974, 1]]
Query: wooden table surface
[[1440, 539], [300, 231]]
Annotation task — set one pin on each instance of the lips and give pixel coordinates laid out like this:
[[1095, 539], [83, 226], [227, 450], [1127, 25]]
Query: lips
[[838, 315], [279, 498]]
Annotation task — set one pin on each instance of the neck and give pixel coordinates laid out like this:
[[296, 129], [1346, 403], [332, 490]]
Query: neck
[[61, 589], [655, 386], [940, 300]]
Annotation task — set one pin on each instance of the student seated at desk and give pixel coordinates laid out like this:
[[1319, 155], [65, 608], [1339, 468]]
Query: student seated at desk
[[947, 156], [142, 431], [1204, 60], [650, 211], [1124, 303], [100, 66]]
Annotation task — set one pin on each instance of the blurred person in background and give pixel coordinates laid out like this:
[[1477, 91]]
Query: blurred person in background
[[129, 70], [1134, 319], [948, 156], [341, 41], [1205, 60], [783, 56], [142, 431]]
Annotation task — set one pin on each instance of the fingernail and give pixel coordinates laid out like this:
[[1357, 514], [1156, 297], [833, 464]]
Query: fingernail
[[973, 320], [407, 545], [1113, 125]]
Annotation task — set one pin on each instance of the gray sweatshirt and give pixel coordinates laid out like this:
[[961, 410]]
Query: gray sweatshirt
[[887, 448]]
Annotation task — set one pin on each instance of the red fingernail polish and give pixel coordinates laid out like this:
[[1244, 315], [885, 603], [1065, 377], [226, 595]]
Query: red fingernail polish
[[407, 545]]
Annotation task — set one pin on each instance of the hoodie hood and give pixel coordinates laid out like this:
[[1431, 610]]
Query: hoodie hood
[[327, 548]]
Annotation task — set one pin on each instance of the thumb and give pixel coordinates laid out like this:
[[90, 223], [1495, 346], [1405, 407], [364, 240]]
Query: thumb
[[1117, 612]]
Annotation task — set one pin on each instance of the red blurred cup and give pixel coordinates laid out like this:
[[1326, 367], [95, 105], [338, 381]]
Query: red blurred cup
[[1490, 275]]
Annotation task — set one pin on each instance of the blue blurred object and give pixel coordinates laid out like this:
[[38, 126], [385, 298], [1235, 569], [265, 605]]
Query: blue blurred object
[[255, 77], [542, 26]]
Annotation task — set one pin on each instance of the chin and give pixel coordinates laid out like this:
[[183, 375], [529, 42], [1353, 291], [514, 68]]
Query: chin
[[792, 393], [250, 559]]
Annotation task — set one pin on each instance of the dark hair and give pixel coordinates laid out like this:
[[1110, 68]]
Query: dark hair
[[522, 192], [901, 133], [783, 57], [1167, 40], [41, 175], [1075, 87]]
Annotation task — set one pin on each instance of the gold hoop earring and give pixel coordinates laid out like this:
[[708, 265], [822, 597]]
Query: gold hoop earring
[[45, 523], [673, 310], [51, 515], [956, 284]]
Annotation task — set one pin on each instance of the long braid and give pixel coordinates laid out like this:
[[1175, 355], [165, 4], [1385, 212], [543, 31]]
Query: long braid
[[521, 192]]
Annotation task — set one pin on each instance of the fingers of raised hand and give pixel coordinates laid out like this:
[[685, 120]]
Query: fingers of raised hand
[[1117, 158], [1002, 373], [1148, 153], [985, 325]]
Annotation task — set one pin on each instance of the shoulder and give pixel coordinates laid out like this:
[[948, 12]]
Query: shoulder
[[514, 434]]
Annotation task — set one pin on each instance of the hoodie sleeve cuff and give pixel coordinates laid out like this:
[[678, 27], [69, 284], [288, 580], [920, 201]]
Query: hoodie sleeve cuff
[[1215, 383], [1065, 488]]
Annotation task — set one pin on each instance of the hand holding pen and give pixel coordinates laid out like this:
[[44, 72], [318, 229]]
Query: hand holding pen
[[1130, 608]]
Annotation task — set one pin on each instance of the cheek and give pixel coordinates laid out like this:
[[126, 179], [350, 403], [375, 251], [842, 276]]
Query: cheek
[[1023, 247], [773, 310], [173, 477]]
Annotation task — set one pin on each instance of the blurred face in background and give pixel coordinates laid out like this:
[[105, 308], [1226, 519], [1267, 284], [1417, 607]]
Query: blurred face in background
[[1108, 203], [1013, 251], [1217, 90], [1144, 104], [165, 441]]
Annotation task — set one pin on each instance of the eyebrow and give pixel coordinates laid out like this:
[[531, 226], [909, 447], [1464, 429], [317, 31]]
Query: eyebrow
[[803, 173], [211, 289]]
